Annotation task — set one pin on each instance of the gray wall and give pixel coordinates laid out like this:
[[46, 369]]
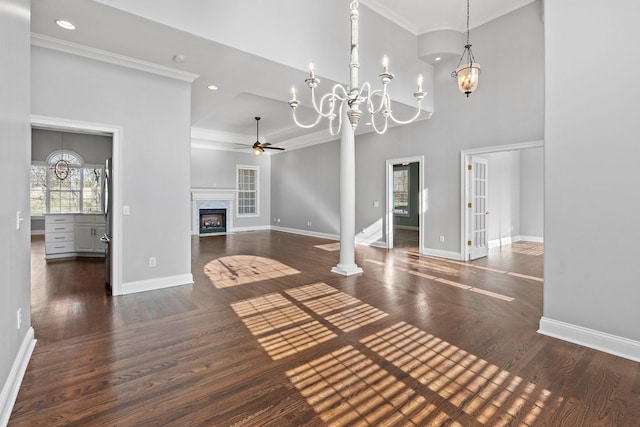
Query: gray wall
[[532, 193], [15, 148], [217, 169], [305, 187], [94, 149], [154, 113], [591, 206], [503, 110]]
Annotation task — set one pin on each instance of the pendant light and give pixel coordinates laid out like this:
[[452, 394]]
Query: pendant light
[[467, 72], [61, 169]]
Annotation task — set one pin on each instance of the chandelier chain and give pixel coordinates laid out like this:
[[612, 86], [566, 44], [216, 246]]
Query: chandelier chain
[[467, 21]]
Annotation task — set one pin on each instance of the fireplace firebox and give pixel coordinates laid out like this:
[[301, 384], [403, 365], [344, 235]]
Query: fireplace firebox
[[213, 221]]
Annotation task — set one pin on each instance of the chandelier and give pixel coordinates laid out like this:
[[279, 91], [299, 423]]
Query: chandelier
[[332, 105], [468, 72]]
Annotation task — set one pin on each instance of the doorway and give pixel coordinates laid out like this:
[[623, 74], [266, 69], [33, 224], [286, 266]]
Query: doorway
[[490, 217], [405, 203], [115, 133]]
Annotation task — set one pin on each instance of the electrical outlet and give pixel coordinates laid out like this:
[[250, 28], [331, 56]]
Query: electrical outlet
[[308, 223], [441, 239], [19, 318], [152, 261], [126, 210]]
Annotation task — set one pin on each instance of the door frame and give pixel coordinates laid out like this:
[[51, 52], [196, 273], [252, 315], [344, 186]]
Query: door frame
[[465, 158], [389, 198], [59, 124]]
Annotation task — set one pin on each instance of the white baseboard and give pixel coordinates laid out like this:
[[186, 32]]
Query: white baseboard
[[509, 240], [535, 239], [306, 233], [159, 283], [442, 254], [251, 228], [612, 344], [12, 385]]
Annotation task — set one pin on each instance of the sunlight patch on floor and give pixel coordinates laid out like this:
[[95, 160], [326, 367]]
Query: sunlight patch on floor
[[445, 281], [347, 388], [283, 329], [482, 390], [238, 270], [280, 327], [329, 247]]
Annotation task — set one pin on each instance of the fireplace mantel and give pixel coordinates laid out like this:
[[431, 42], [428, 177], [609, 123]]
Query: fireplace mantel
[[212, 198], [213, 194]]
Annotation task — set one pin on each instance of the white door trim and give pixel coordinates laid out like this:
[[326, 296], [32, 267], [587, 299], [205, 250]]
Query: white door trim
[[56, 123], [389, 198], [464, 190]]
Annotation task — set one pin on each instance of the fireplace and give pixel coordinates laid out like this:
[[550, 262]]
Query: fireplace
[[213, 221]]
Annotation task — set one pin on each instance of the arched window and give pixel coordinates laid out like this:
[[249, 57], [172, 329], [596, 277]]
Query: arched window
[[65, 184]]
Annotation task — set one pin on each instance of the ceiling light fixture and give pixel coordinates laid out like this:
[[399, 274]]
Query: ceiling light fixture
[[469, 72], [331, 105], [65, 24], [213, 87]]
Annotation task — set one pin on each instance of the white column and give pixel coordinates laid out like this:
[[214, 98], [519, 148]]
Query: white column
[[347, 265]]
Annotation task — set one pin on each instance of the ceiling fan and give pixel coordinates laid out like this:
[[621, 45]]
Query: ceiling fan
[[258, 147]]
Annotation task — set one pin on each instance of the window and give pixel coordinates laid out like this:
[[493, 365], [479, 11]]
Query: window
[[247, 190], [401, 190], [80, 191]]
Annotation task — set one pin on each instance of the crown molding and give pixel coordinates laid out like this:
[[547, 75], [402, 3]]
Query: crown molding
[[110, 57], [392, 16]]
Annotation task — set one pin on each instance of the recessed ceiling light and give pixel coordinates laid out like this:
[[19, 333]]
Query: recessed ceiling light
[[213, 87], [179, 58], [65, 24], [438, 59]]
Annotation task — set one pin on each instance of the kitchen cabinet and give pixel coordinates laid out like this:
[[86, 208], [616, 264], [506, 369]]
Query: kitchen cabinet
[[72, 235]]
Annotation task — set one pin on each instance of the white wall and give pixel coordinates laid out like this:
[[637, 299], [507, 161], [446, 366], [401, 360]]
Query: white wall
[[212, 169], [503, 221], [591, 200], [15, 148], [154, 114]]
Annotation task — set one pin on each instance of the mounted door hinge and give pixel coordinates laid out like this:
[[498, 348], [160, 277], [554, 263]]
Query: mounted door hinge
[[469, 205], [470, 167], [468, 242]]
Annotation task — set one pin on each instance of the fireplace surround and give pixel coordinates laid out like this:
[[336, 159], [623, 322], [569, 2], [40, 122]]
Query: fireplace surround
[[213, 201]]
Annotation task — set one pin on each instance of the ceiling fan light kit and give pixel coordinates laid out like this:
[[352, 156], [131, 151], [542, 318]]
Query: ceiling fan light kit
[[258, 147]]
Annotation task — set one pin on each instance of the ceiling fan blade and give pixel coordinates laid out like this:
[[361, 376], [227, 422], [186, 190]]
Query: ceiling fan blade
[[274, 148]]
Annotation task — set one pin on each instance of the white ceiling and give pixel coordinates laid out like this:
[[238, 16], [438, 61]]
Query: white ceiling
[[251, 84]]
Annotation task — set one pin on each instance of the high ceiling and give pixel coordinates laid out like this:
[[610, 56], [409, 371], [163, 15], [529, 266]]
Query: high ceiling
[[221, 43]]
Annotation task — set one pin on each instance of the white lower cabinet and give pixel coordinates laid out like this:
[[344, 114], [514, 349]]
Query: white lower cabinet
[[69, 235]]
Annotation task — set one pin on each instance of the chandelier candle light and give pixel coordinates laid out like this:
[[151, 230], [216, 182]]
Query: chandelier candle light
[[468, 72], [331, 106]]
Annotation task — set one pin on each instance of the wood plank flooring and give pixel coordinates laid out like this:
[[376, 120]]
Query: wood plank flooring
[[267, 336]]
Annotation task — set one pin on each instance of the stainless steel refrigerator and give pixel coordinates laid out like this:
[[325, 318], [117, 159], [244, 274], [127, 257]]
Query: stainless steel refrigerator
[[108, 214]]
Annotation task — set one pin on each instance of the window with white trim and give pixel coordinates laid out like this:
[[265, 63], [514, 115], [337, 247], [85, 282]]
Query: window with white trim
[[247, 179], [401, 190], [77, 190]]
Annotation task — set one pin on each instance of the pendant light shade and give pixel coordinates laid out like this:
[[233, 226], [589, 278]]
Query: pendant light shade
[[468, 75]]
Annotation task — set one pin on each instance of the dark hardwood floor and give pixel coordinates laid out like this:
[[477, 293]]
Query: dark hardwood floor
[[267, 336]]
